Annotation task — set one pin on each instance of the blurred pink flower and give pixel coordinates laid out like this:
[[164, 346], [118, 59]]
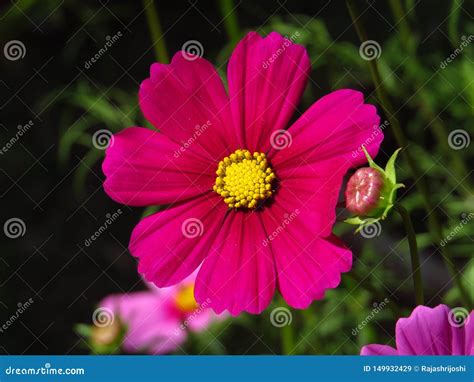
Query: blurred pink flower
[[431, 331], [266, 221], [157, 320]]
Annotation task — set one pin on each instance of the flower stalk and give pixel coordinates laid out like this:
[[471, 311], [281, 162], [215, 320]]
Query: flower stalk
[[229, 18], [154, 25], [414, 256]]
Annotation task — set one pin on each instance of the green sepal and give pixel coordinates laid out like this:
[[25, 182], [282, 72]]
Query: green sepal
[[390, 167]]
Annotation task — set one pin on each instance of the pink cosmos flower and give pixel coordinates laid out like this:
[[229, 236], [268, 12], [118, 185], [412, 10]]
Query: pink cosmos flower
[[249, 199], [430, 331], [157, 321]]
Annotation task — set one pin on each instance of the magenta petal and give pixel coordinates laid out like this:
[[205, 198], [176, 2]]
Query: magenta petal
[[142, 168], [426, 332], [307, 268], [151, 326], [469, 335], [238, 274], [335, 127], [313, 190], [186, 100], [171, 244], [264, 94], [430, 331], [378, 350]]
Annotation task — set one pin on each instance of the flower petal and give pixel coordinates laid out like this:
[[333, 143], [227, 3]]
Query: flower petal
[[267, 77], [378, 350], [238, 275], [313, 190], [143, 167], [186, 100], [469, 335], [151, 326], [306, 264], [335, 127], [172, 243], [426, 332]]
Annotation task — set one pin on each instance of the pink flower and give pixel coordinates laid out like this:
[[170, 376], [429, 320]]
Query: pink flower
[[157, 320], [431, 331], [265, 221]]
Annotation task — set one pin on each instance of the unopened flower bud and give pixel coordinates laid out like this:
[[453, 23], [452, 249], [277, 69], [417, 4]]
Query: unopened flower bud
[[364, 191], [371, 192]]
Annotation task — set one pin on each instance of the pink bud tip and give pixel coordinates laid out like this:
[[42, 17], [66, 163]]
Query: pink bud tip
[[363, 191]]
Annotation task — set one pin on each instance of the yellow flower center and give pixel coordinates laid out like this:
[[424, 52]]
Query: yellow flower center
[[185, 299], [244, 179]]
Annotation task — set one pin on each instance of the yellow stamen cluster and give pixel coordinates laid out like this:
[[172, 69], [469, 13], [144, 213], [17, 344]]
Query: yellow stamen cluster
[[185, 299], [244, 179]]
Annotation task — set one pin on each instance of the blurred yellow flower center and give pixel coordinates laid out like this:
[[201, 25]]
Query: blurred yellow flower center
[[105, 335], [244, 179], [185, 299]]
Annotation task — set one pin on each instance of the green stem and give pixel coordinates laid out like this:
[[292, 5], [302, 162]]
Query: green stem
[[156, 32], [229, 17], [435, 227], [287, 339], [457, 165], [414, 256], [453, 22], [287, 335]]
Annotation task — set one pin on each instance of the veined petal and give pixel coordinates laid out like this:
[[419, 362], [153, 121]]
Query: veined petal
[[239, 273], [306, 264], [335, 127], [143, 167], [186, 101], [171, 244], [267, 77]]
